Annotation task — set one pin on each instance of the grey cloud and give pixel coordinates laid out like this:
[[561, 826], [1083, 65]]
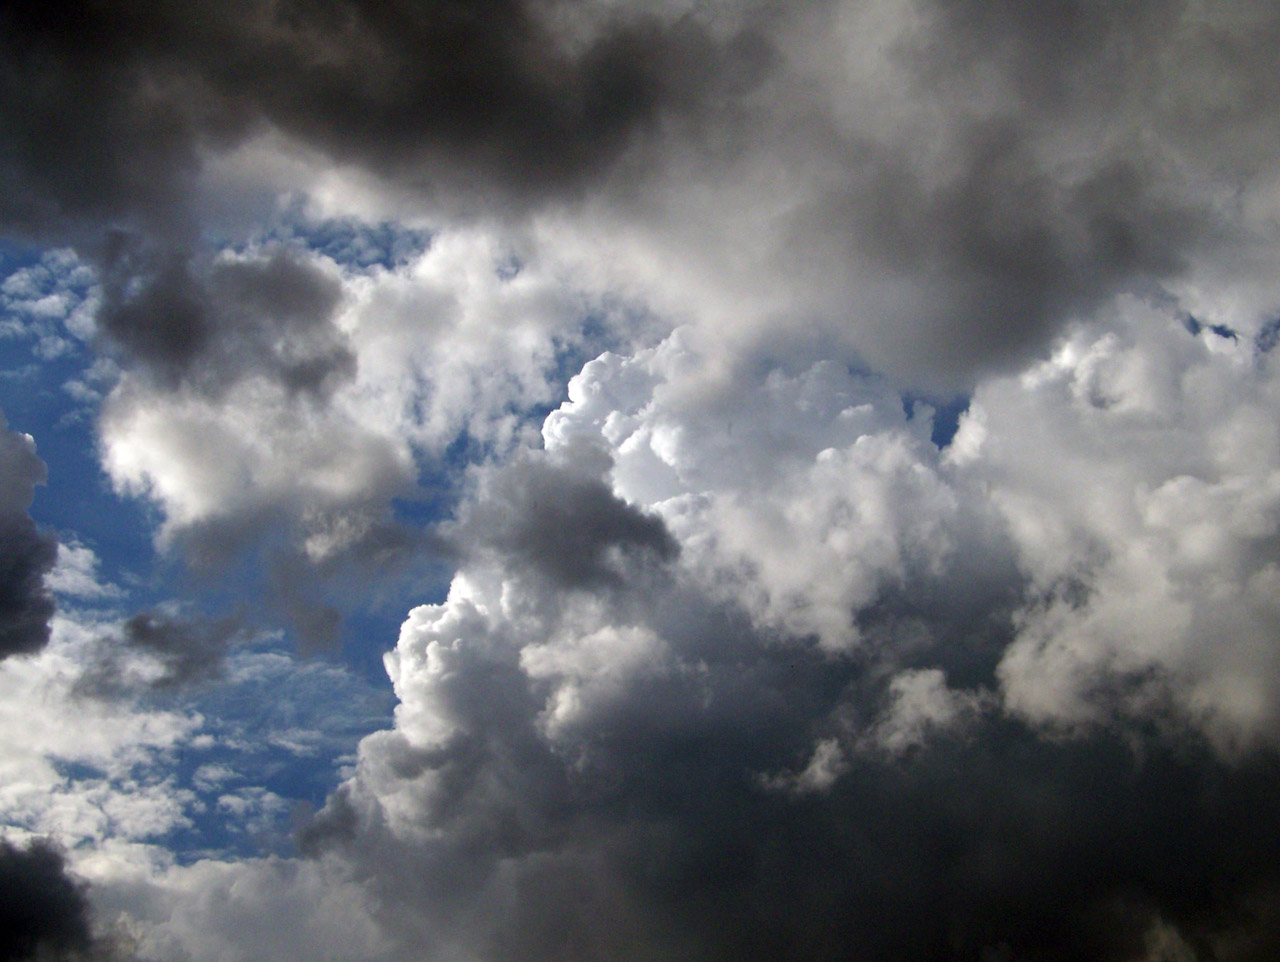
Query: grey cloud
[[189, 651], [43, 912], [26, 553], [648, 834], [617, 778], [372, 561], [209, 326], [93, 135], [1000, 256], [474, 95], [563, 523], [1046, 160], [1094, 147], [386, 566], [378, 562], [186, 651], [604, 807]]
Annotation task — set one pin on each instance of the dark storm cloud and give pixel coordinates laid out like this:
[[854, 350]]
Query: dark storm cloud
[[620, 789], [99, 126], [43, 912], [106, 105], [650, 834], [26, 553], [566, 526], [107, 110], [1070, 148], [554, 791], [208, 326]]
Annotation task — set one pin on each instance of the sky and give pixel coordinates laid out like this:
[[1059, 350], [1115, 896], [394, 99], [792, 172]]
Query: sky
[[620, 481]]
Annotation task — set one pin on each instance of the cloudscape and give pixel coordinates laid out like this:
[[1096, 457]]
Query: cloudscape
[[637, 480]]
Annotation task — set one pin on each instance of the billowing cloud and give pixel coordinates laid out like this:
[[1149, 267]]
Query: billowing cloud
[[563, 523], [354, 376], [652, 324], [1137, 477], [316, 401], [672, 763], [803, 494]]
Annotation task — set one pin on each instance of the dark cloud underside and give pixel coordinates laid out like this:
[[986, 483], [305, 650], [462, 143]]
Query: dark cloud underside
[[26, 553], [476, 93], [653, 837], [1043, 162], [566, 526], [43, 913], [208, 326]]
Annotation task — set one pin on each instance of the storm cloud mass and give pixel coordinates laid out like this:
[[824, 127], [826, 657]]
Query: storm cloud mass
[[827, 452], [25, 602], [41, 909]]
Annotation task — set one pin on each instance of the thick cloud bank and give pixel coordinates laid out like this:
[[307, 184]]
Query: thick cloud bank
[[850, 428], [793, 682], [43, 913], [942, 184]]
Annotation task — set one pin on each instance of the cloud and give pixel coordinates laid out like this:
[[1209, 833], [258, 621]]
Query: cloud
[[555, 520], [159, 650], [254, 446], [429, 351], [75, 575], [28, 554], [804, 493], [941, 202], [738, 661], [42, 910], [267, 315], [85, 770], [921, 705], [1137, 479], [515, 95], [651, 764], [255, 909], [49, 300], [565, 779]]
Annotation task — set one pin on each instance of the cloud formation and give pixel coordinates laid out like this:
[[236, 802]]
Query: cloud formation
[[651, 322], [941, 184], [27, 554], [160, 650], [41, 909], [703, 760]]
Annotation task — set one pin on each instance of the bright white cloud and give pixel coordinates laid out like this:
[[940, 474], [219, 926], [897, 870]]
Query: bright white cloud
[[801, 494], [82, 769], [256, 910], [75, 575], [460, 341], [1138, 472]]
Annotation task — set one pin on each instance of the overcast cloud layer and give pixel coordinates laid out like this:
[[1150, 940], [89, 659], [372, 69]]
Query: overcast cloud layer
[[823, 457]]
